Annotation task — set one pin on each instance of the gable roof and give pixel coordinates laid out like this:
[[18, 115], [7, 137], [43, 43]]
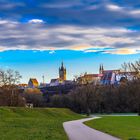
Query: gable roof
[[34, 81]]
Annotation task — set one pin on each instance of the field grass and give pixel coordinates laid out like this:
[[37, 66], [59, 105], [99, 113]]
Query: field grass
[[34, 124], [124, 127]]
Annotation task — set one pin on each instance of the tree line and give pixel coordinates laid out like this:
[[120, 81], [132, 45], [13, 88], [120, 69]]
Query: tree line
[[91, 98], [101, 99], [88, 98]]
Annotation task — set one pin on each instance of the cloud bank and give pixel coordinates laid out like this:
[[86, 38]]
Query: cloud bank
[[105, 26]]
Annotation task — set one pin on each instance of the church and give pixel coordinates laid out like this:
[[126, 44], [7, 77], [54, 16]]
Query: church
[[91, 78], [62, 76], [62, 72], [107, 77]]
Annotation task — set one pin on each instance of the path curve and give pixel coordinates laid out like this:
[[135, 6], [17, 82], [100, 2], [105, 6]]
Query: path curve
[[76, 130]]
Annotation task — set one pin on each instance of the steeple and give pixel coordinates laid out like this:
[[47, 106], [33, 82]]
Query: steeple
[[62, 65], [101, 69], [62, 72]]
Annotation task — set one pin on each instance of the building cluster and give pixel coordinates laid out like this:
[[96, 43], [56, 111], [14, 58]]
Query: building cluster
[[108, 77], [61, 80], [104, 77], [62, 77]]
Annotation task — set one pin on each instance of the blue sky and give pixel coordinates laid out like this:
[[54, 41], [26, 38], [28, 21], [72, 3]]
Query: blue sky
[[36, 35]]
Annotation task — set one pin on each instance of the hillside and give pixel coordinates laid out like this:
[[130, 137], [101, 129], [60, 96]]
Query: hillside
[[34, 124]]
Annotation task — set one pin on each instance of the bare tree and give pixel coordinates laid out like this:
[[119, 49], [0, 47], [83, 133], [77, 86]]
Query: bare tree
[[132, 67], [83, 96], [82, 79], [9, 92], [77, 78], [9, 78], [124, 67]]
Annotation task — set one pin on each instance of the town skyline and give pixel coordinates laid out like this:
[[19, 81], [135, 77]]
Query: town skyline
[[36, 68], [34, 38], [90, 68]]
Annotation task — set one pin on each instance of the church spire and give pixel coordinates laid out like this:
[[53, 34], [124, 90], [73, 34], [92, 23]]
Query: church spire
[[62, 72], [102, 67], [62, 66]]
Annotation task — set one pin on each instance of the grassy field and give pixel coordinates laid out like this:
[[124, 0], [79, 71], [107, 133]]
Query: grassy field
[[124, 127], [34, 124]]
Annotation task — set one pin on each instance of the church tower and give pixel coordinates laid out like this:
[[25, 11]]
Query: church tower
[[101, 69], [62, 72]]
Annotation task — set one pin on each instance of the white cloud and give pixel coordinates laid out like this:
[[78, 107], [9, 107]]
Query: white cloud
[[135, 13], [125, 10], [3, 21], [36, 21], [7, 22], [114, 7], [90, 51], [123, 51]]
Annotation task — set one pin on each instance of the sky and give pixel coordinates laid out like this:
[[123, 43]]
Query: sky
[[37, 35]]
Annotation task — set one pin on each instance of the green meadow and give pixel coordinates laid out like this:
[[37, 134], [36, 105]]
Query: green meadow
[[34, 124], [124, 127]]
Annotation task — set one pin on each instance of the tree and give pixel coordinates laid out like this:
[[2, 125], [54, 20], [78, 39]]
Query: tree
[[9, 93], [34, 96], [9, 78], [132, 67], [83, 97]]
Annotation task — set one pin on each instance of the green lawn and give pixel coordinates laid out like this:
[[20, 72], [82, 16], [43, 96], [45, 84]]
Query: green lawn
[[124, 127], [34, 124]]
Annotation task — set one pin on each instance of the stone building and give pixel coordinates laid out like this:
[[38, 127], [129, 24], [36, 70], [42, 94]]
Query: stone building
[[62, 72], [62, 77]]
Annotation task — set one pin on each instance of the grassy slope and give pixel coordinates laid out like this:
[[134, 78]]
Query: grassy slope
[[124, 127], [34, 124]]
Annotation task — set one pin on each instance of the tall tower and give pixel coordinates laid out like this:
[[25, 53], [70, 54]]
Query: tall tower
[[101, 69], [62, 72]]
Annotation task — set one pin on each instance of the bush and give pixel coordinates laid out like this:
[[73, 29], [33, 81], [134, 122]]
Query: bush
[[11, 97]]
